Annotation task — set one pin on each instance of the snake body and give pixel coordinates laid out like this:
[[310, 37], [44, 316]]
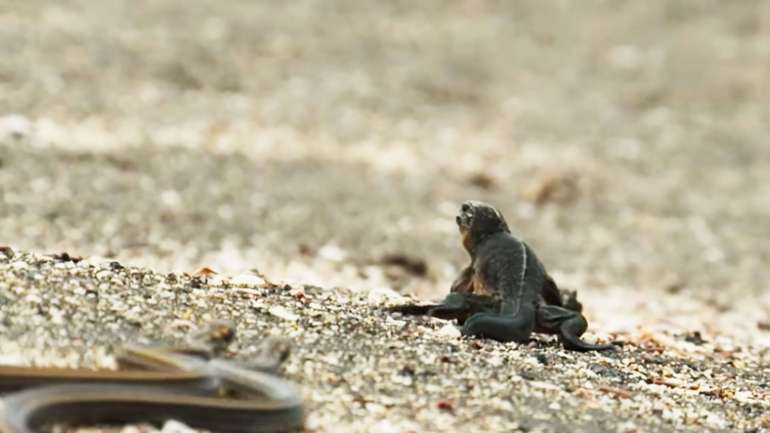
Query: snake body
[[212, 394]]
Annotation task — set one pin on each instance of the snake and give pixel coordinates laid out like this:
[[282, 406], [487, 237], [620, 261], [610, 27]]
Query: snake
[[167, 383]]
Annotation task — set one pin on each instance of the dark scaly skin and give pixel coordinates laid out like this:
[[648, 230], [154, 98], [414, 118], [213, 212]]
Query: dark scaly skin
[[505, 293]]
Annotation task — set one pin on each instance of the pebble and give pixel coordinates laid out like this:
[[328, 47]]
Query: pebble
[[173, 426], [449, 331], [283, 313]]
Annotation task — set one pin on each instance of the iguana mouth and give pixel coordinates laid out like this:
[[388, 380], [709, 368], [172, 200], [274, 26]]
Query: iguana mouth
[[460, 222], [465, 217]]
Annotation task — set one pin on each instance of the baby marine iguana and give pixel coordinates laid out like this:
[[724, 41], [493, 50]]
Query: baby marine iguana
[[505, 293]]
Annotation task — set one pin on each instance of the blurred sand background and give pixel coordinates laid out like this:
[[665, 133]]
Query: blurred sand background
[[322, 141]]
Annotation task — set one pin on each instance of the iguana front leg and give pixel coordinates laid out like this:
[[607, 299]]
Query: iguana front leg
[[458, 306], [462, 306], [454, 306]]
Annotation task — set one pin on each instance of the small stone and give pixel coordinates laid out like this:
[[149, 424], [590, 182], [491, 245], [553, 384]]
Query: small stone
[[743, 396], [448, 331], [714, 420], [695, 338], [332, 253], [15, 126], [544, 385], [375, 408], [283, 313], [402, 379], [174, 426], [385, 426], [139, 428], [66, 257], [14, 359], [378, 295], [247, 280], [19, 265], [495, 361], [445, 405], [7, 252], [204, 272], [32, 299]]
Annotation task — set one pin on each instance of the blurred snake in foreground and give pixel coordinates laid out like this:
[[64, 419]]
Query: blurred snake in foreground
[[213, 394]]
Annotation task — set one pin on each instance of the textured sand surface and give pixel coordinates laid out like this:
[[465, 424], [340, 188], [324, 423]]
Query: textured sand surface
[[364, 370], [330, 143]]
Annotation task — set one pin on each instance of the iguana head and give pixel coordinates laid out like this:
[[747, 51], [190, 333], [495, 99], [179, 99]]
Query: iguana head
[[477, 221]]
